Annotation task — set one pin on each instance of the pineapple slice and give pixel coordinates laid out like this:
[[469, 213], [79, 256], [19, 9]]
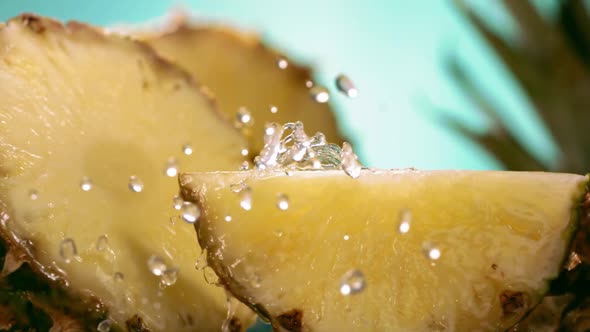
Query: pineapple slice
[[245, 74], [94, 129], [399, 250]]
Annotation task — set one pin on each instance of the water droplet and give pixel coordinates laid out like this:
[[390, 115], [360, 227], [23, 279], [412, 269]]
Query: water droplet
[[171, 168], [187, 149], [102, 243], [282, 202], [431, 251], [320, 94], [346, 237], [405, 217], [278, 233], [210, 276], [104, 326], [33, 194], [246, 199], [135, 184], [237, 187], [269, 130], [190, 212], [350, 163], [309, 84], [118, 276], [244, 152], [202, 260], [68, 250], [227, 218], [282, 62], [86, 183], [273, 109], [345, 85], [156, 265], [177, 202], [352, 282], [169, 277], [245, 165], [255, 280], [243, 117]]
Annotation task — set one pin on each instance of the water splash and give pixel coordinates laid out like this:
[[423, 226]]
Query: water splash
[[352, 282], [345, 85]]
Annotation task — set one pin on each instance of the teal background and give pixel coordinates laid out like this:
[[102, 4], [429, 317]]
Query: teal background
[[392, 49]]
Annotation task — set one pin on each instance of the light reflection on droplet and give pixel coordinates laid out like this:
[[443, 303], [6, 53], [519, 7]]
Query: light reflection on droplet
[[320, 94], [346, 237], [102, 243], [169, 277], [68, 250], [282, 62], [350, 163], [135, 184], [227, 218], [245, 165], [171, 168], [431, 251], [190, 212], [282, 202], [33, 194], [104, 326], [243, 117], [86, 183], [187, 149], [309, 84], [246, 199], [405, 217], [352, 282], [156, 265], [273, 109], [345, 85], [177, 202]]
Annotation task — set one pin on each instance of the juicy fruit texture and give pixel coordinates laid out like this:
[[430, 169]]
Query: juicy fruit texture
[[242, 72], [89, 123], [391, 250]]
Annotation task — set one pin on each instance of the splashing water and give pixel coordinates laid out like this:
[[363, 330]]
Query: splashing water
[[352, 282], [345, 85]]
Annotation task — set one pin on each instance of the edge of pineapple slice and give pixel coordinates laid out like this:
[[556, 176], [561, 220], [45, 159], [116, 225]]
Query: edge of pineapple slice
[[42, 294], [198, 188], [228, 51]]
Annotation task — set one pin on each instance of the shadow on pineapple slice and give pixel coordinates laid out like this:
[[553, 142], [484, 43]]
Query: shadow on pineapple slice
[[390, 250], [244, 73], [93, 130]]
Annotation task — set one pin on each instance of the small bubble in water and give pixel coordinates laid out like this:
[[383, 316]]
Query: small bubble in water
[[244, 152], [177, 202], [246, 199], [405, 217], [273, 109], [282, 62], [33, 194], [118, 276], [243, 117], [210, 276], [282, 202], [345, 85], [156, 265], [227, 218], [346, 237], [86, 183], [135, 184], [104, 326], [350, 163], [187, 149], [68, 250], [431, 251], [171, 168], [320, 94], [309, 84], [190, 212], [102, 243], [245, 165], [169, 277], [352, 282]]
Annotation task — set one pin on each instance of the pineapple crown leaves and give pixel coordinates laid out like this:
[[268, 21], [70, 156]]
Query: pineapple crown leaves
[[550, 60]]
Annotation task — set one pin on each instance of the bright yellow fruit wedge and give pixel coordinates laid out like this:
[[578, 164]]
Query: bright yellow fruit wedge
[[245, 74], [93, 130], [399, 250]]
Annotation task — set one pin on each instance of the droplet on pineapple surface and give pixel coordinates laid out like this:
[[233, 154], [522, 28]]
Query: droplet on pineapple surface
[[237, 187], [273, 109], [352, 282], [190, 212], [244, 152], [309, 84], [320, 94], [171, 167], [201, 262], [86, 184], [210, 276], [246, 199], [282, 62], [405, 217], [169, 277], [104, 326], [135, 184], [350, 163], [346, 237], [431, 251], [245, 165], [187, 149], [156, 265], [345, 85], [33, 194], [243, 117], [177, 202], [68, 250], [227, 218], [102, 243], [282, 202]]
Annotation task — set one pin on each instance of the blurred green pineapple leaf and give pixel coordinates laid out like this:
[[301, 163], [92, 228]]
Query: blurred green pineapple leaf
[[551, 62]]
